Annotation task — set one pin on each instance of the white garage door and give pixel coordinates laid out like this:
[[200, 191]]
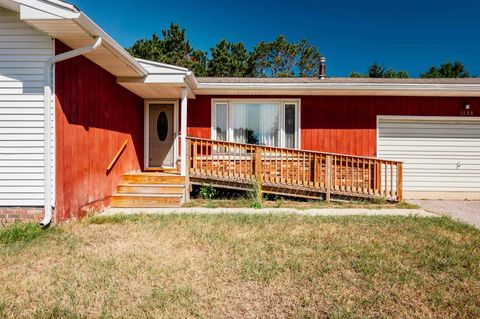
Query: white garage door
[[439, 154]]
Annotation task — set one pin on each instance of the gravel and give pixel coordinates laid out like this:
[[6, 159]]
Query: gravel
[[465, 211]]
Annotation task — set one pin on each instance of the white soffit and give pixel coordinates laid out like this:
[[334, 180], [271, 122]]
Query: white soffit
[[64, 22], [163, 81], [155, 90]]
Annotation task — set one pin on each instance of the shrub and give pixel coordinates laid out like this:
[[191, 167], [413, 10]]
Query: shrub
[[207, 192]]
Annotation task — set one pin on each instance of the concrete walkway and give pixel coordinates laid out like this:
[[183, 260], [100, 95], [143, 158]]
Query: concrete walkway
[[463, 210], [311, 212]]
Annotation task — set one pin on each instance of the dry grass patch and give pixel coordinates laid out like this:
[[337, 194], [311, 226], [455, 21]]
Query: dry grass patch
[[230, 266]]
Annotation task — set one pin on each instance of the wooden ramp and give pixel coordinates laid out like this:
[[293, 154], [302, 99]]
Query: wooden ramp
[[150, 189], [292, 172]]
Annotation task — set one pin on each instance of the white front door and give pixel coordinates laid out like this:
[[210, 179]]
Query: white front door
[[161, 135]]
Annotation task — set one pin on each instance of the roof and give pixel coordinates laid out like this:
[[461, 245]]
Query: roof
[[65, 22], [294, 80], [338, 86], [162, 81], [62, 20]]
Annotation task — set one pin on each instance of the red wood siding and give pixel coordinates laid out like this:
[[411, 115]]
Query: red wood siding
[[94, 116], [347, 124], [199, 116], [341, 124]]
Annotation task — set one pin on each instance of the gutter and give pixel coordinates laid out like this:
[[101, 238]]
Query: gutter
[[90, 27], [47, 91], [343, 88]]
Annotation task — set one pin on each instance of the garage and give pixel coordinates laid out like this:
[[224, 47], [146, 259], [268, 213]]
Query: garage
[[441, 155]]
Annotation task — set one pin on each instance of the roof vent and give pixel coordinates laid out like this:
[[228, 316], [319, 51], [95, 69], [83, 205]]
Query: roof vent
[[322, 68]]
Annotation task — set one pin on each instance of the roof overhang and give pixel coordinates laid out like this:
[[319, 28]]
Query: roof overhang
[[162, 81], [66, 23], [355, 89]]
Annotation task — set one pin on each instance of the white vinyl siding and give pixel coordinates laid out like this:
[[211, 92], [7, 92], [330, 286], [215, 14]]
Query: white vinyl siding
[[439, 154], [23, 53]]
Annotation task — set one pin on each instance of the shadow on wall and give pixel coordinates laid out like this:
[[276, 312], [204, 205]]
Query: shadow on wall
[[94, 117]]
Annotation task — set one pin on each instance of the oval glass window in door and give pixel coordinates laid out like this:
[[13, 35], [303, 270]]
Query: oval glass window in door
[[162, 126]]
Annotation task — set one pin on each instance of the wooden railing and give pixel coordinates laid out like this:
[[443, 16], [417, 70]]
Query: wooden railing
[[117, 156], [295, 169]]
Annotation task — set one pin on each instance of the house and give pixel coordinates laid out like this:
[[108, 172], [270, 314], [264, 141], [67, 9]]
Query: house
[[80, 119]]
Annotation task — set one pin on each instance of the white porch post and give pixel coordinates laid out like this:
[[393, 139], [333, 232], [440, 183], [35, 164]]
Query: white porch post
[[183, 132]]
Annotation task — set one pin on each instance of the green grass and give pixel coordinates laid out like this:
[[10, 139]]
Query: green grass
[[239, 265], [21, 233]]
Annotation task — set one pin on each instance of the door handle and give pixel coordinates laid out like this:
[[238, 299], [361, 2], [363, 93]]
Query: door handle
[[458, 165]]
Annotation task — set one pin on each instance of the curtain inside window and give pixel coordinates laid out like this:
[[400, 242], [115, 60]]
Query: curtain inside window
[[256, 123], [290, 125], [221, 121]]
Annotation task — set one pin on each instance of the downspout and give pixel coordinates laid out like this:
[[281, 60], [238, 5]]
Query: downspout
[[47, 91]]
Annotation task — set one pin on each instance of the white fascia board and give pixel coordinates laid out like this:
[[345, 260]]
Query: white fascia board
[[472, 89], [163, 65], [177, 79], [191, 80], [85, 22], [55, 10]]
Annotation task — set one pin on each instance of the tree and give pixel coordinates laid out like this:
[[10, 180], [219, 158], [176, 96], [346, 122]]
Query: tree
[[174, 49], [447, 70], [308, 63], [281, 58], [278, 58], [377, 70], [356, 74], [228, 59]]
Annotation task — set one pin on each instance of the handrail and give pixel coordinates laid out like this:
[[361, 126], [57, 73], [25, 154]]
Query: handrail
[[330, 173], [290, 149], [115, 159]]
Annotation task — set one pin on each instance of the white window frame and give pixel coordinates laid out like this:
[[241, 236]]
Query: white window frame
[[281, 129]]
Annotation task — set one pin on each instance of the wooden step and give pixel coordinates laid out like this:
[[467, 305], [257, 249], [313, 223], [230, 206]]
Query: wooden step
[[146, 200], [151, 188], [152, 178]]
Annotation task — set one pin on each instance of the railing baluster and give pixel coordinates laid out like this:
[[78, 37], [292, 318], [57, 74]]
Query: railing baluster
[[391, 179], [386, 179], [195, 152], [290, 168], [328, 177], [239, 160], [400, 182], [369, 186]]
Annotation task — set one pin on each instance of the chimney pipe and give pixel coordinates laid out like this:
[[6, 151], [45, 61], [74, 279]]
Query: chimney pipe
[[322, 68]]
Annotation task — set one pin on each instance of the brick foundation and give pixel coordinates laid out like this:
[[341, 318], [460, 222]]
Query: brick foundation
[[24, 214]]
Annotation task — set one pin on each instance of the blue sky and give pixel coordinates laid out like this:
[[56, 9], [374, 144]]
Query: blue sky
[[352, 34]]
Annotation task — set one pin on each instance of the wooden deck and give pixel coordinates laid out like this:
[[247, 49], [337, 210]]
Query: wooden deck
[[292, 172]]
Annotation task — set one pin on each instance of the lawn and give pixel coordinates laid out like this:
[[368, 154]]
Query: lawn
[[241, 266]]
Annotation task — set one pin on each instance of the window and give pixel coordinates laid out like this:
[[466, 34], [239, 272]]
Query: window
[[221, 123], [270, 123], [290, 125]]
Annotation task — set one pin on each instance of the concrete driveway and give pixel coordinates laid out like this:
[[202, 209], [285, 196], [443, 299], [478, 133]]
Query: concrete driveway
[[466, 211]]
